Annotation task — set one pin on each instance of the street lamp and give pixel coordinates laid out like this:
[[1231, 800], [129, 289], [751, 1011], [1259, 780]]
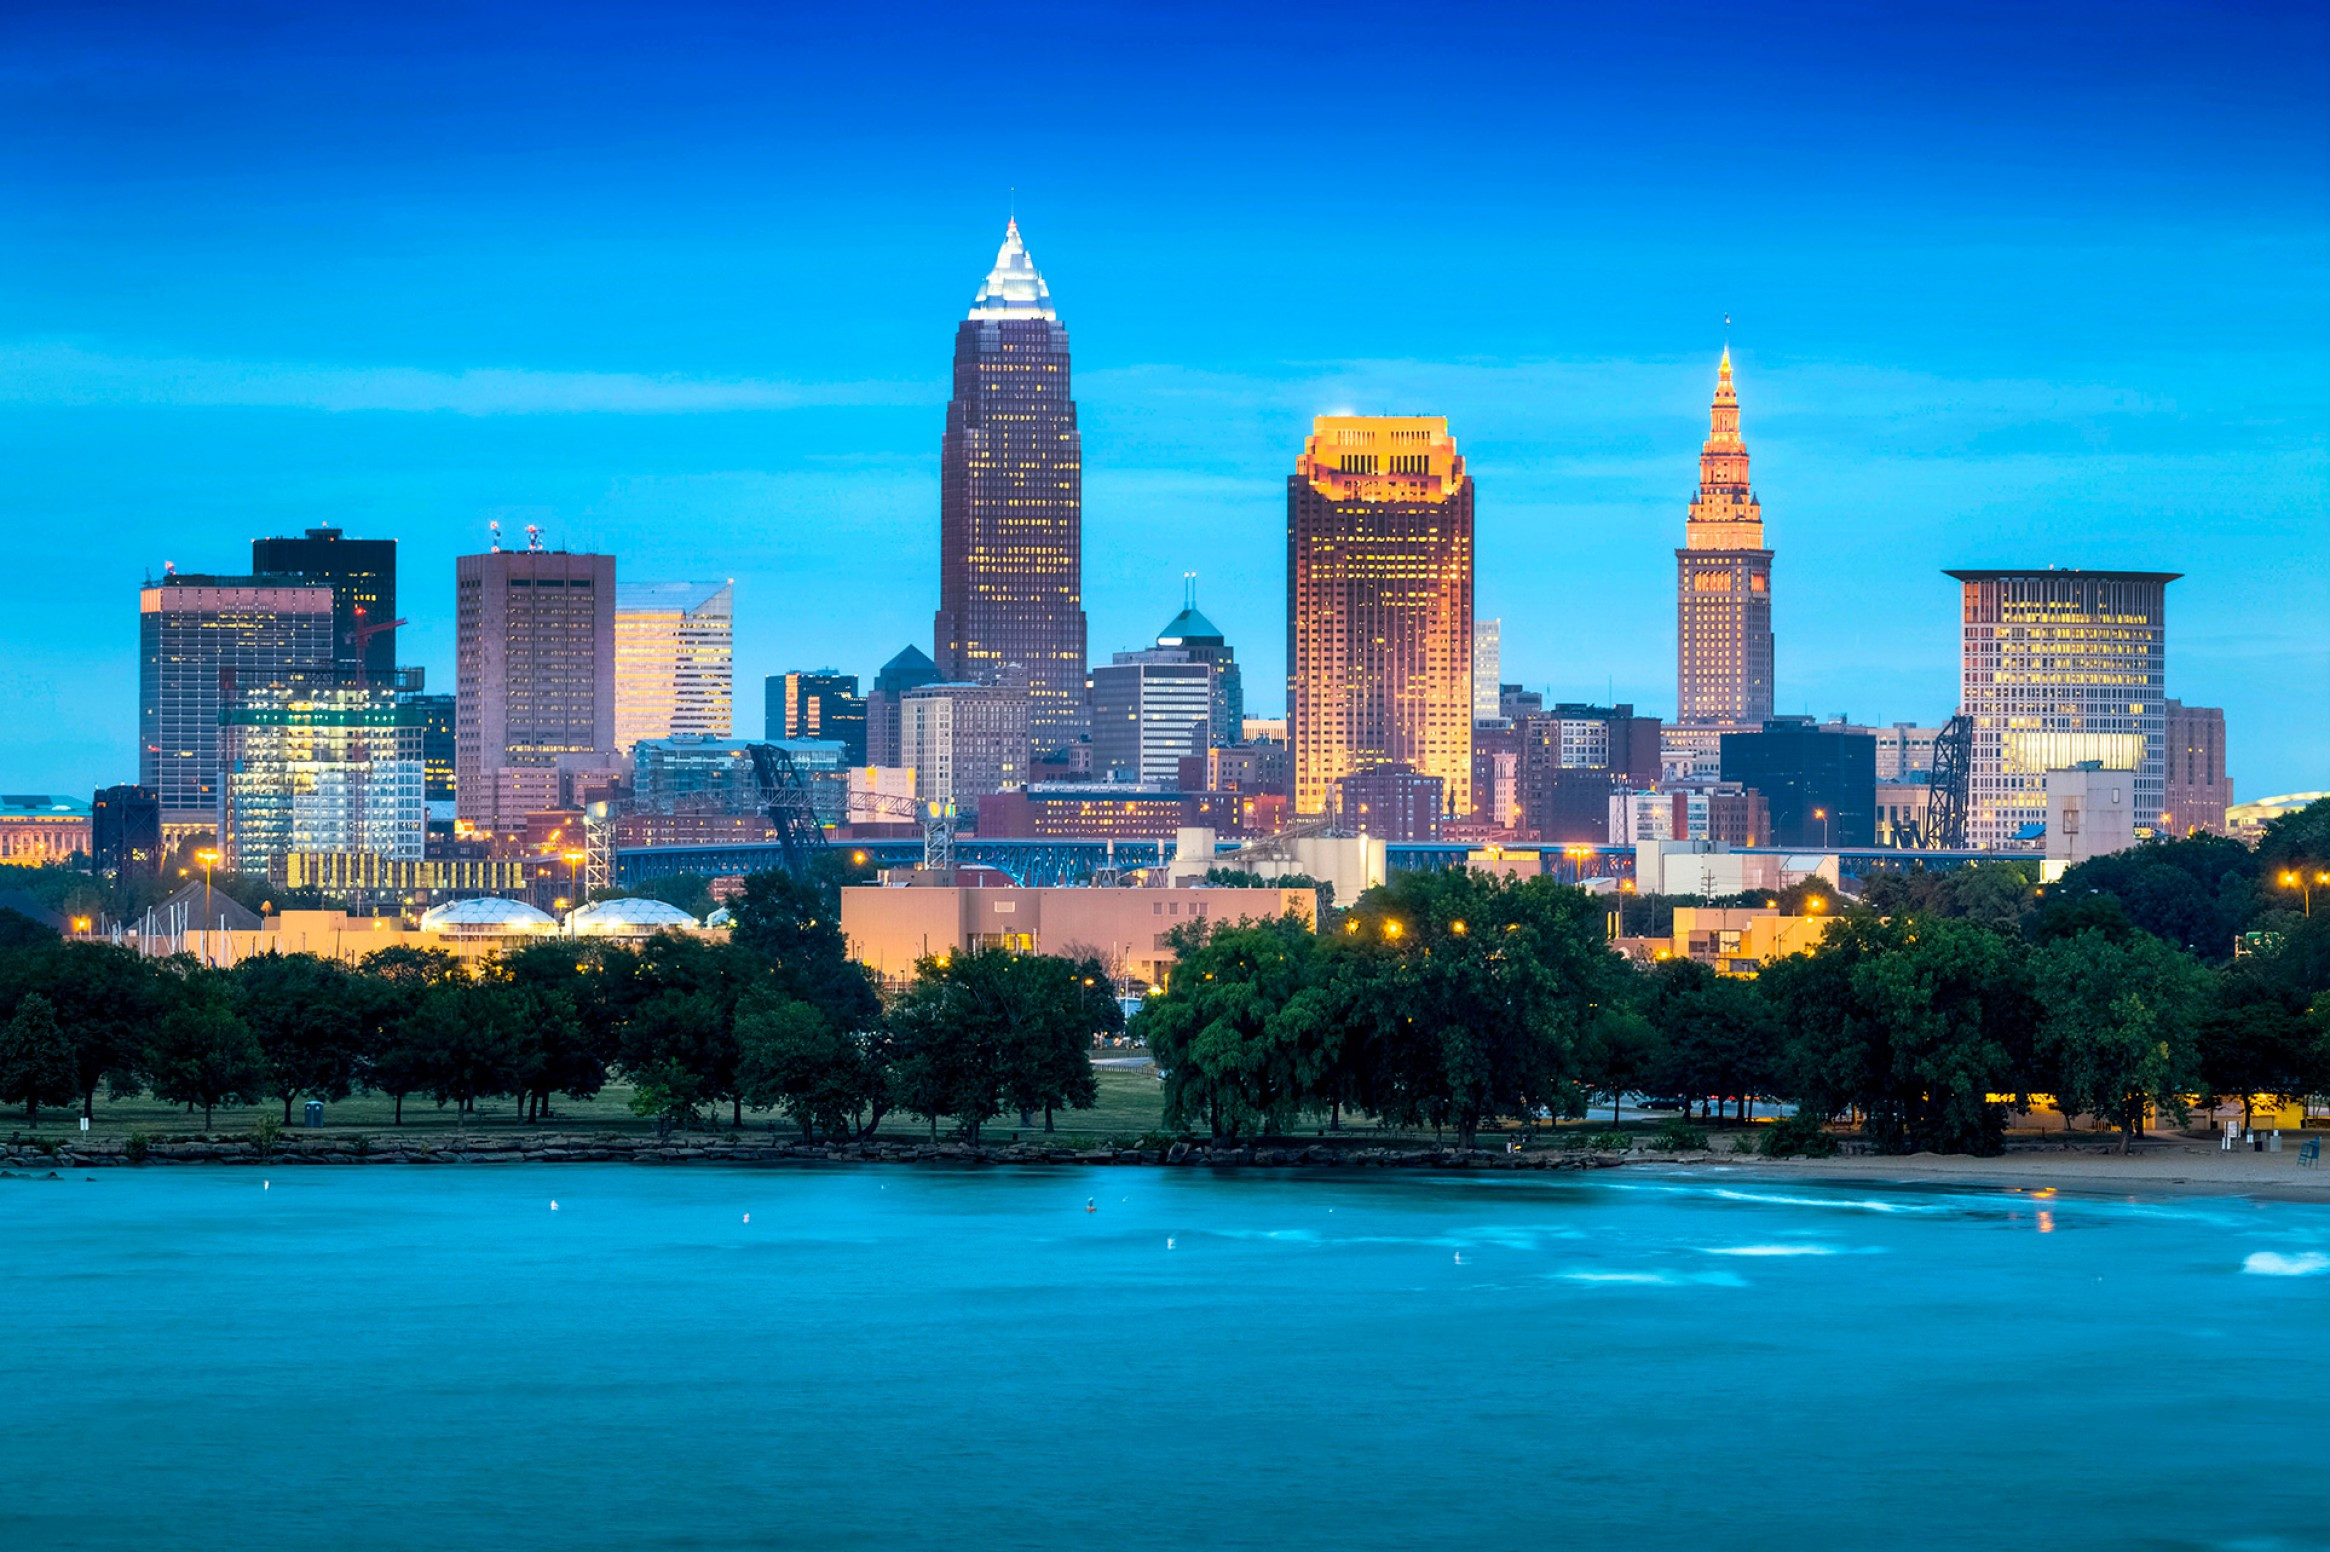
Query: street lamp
[[1821, 814], [209, 860], [2298, 880]]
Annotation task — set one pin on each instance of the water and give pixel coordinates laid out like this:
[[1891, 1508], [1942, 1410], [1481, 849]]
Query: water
[[407, 1358]]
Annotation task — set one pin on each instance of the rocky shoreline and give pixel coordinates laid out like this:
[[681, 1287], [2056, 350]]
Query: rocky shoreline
[[21, 1158]]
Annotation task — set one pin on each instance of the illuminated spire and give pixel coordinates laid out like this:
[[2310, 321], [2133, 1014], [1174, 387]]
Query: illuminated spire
[[1012, 288]]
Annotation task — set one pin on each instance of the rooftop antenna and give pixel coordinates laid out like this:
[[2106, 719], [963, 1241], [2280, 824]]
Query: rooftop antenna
[[496, 529], [1189, 590], [533, 536]]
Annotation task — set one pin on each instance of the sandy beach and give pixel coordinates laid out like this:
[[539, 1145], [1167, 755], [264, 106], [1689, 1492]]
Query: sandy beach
[[2160, 1167]]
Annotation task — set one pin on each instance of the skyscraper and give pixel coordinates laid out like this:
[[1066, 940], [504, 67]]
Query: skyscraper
[[910, 669], [199, 637], [1723, 591], [674, 655], [965, 741], [534, 646], [1011, 501], [362, 576], [818, 703], [1201, 639], [1487, 663], [323, 761], [1150, 710], [2197, 791], [2060, 668], [1379, 605]]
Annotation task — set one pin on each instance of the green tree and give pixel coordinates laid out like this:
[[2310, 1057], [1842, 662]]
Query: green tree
[[2257, 1037], [1716, 1033], [304, 1011], [36, 1059], [2117, 1027], [560, 1051], [393, 991], [1488, 988], [467, 1035], [1241, 1051], [953, 1026], [1914, 1021], [105, 999], [791, 1058], [1620, 1053], [202, 1051], [1057, 1006]]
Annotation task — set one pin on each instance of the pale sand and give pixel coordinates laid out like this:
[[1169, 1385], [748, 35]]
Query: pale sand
[[2168, 1167]]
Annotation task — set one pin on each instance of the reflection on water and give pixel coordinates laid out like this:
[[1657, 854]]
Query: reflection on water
[[401, 1358]]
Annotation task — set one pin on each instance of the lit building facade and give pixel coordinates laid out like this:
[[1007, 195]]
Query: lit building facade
[[437, 713], [534, 644], [2060, 668], [1011, 502], [362, 576], [125, 832], [1723, 590], [1150, 710], [197, 634], [1379, 566], [675, 649], [1202, 640], [42, 829], [964, 741], [1488, 661], [818, 703], [322, 761], [2198, 790], [1390, 802]]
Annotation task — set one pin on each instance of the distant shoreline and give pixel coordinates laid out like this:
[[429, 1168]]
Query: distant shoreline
[[2166, 1169]]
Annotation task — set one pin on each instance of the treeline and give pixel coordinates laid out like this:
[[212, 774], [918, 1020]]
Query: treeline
[[1454, 1000], [774, 1019]]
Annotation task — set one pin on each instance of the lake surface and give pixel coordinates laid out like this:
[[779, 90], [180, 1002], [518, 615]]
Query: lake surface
[[434, 1358]]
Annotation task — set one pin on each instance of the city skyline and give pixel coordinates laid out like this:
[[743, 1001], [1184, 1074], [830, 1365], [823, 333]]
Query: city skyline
[[2139, 397]]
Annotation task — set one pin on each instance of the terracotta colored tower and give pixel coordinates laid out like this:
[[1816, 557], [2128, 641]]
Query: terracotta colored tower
[[1723, 584], [1011, 502], [1379, 580]]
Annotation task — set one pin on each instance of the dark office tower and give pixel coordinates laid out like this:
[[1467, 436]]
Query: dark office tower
[[200, 638], [1011, 502], [125, 832], [1199, 637], [362, 576], [1820, 782], [1723, 585], [909, 670], [818, 703], [437, 745]]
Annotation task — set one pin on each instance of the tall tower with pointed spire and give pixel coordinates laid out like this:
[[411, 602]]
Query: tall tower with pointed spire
[[1723, 586], [1011, 502]]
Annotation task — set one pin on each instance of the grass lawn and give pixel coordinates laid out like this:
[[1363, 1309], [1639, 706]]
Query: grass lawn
[[1131, 1105]]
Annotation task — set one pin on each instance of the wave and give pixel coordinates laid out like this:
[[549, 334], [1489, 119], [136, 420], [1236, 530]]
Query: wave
[[2272, 1263], [1771, 1250], [1656, 1279], [1856, 1204]]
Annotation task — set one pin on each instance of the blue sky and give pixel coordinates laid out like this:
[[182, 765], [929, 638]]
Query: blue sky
[[2009, 285]]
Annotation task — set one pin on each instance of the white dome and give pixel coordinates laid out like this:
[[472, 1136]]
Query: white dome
[[486, 918], [626, 918]]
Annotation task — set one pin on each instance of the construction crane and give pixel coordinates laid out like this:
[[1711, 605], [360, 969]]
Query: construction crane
[[785, 799], [1945, 826]]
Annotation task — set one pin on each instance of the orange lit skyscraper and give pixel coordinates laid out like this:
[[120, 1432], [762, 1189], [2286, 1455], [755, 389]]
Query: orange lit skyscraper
[[1011, 502], [1723, 589], [1379, 605]]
